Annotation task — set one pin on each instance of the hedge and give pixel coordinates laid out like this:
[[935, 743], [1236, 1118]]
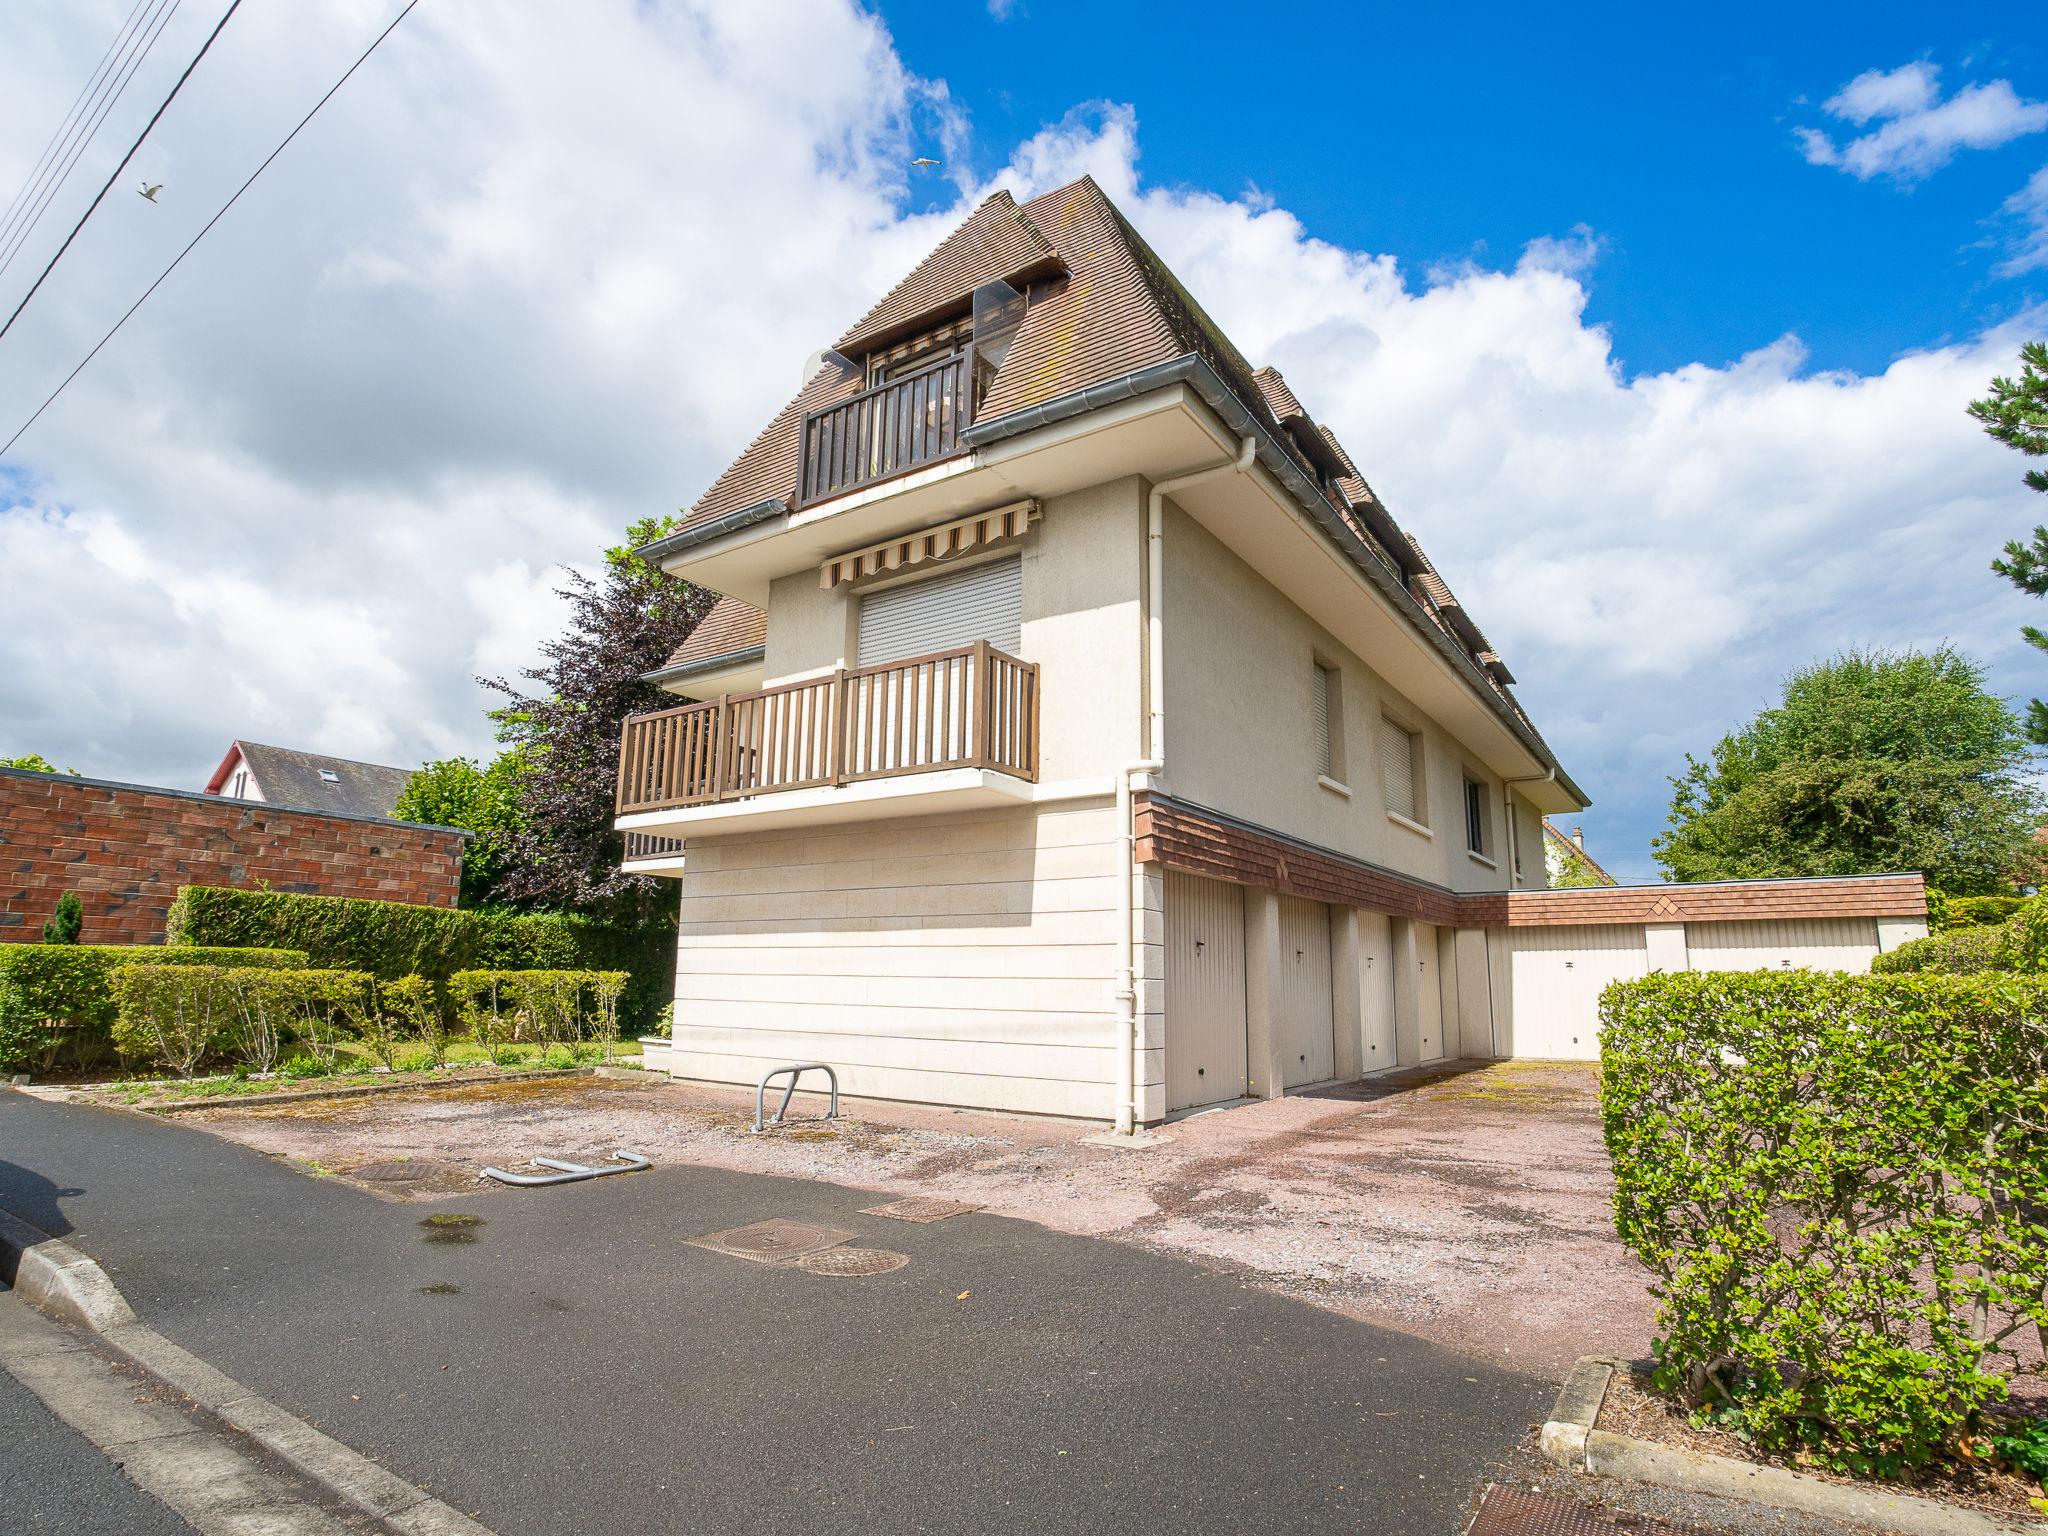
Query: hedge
[[1977, 911], [57, 1001], [178, 1015], [1837, 1182], [393, 939], [1955, 951]]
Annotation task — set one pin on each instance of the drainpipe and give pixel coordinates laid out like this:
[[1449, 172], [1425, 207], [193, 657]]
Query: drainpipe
[[1514, 838], [1155, 738]]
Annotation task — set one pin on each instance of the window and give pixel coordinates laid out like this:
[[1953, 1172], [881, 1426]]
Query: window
[[1475, 817], [330, 776], [1401, 771], [943, 613], [1322, 712]]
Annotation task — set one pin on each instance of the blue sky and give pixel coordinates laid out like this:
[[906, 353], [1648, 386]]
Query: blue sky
[[1668, 130], [1655, 325]]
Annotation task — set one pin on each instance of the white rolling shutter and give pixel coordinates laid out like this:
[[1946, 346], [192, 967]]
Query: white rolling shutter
[[1320, 720], [1397, 770], [983, 602]]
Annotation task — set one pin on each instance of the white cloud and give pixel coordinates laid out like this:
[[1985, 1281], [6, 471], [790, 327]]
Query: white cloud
[[1918, 132], [534, 275], [1887, 93], [2028, 207]]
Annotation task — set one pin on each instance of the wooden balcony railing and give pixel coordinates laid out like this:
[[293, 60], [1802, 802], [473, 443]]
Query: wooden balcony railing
[[892, 428], [969, 708]]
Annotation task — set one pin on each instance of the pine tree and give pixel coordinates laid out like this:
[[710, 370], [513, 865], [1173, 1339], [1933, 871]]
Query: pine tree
[[64, 927], [2016, 413]]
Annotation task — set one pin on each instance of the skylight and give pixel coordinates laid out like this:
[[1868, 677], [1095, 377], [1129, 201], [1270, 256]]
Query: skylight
[[330, 775]]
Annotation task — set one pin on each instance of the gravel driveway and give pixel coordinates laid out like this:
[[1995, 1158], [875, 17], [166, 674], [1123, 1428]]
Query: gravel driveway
[[1466, 1206]]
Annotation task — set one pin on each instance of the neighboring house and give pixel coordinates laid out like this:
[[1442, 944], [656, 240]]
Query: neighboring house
[[1565, 857], [281, 776], [1082, 735]]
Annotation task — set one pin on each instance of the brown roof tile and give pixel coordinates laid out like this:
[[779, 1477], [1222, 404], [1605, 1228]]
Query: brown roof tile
[[730, 626], [995, 243]]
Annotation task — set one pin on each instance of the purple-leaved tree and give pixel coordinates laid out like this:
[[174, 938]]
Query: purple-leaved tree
[[565, 733]]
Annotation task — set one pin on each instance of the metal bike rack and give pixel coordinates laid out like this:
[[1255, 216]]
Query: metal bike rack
[[793, 1071], [571, 1173]]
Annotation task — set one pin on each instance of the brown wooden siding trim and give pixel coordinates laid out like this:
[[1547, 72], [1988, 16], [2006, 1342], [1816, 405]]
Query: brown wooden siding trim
[[1188, 837]]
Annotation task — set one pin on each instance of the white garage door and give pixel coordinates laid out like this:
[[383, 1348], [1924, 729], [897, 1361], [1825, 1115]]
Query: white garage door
[[1205, 1043], [1819, 944], [1307, 1025], [1429, 994], [1558, 975]]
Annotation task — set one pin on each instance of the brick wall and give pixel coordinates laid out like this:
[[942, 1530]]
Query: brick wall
[[126, 848]]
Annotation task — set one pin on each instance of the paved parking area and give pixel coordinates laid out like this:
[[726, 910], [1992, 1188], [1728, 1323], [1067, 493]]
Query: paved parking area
[[1465, 1206], [572, 1362]]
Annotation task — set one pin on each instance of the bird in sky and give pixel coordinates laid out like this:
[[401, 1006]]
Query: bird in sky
[[922, 161], [148, 191]]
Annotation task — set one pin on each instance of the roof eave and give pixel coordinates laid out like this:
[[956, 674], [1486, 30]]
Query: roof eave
[[1198, 375], [725, 661], [732, 522]]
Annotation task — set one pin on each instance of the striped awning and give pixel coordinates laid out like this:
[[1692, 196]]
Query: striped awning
[[948, 541]]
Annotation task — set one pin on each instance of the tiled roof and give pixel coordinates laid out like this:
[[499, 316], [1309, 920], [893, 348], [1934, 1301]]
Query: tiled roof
[[995, 243], [1120, 310], [730, 626], [1279, 398], [289, 777]]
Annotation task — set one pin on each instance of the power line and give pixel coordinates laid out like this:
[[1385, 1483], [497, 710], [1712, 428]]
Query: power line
[[35, 175], [82, 133], [4, 329], [167, 271]]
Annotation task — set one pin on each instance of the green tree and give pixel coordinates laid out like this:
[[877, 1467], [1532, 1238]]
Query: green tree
[[2016, 413], [64, 926], [1872, 761], [482, 800], [35, 762], [1575, 872]]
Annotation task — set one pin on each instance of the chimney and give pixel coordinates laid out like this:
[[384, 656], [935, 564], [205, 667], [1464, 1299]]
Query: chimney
[[1579, 838]]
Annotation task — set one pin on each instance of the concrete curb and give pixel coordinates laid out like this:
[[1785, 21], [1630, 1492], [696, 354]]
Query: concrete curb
[[1572, 1439], [59, 1280]]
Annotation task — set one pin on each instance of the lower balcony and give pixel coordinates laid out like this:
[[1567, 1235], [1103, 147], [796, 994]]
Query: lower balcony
[[954, 727]]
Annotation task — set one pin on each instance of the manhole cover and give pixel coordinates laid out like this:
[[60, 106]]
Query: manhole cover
[[774, 1241], [1511, 1512], [921, 1208], [849, 1263]]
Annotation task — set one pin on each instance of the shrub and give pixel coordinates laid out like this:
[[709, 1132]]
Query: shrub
[[548, 1007], [325, 1007], [389, 939], [57, 1001], [1976, 911], [416, 1012], [393, 939], [1959, 952], [172, 1014], [1837, 1181]]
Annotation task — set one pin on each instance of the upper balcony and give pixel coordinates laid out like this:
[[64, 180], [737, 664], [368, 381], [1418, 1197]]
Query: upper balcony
[[967, 714], [898, 426]]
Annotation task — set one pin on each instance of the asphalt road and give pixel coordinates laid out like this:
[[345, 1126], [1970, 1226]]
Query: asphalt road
[[53, 1479], [577, 1367]]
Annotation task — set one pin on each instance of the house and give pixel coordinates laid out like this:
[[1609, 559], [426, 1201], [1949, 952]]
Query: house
[[281, 776], [1079, 733], [1565, 860]]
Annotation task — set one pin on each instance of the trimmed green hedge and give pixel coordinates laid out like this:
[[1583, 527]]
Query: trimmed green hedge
[[1838, 1183], [389, 939], [57, 1000], [393, 939], [1955, 951]]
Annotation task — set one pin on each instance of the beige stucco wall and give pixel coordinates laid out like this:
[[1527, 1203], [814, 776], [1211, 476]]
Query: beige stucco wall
[[965, 959], [1082, 573], [1239, 687]]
